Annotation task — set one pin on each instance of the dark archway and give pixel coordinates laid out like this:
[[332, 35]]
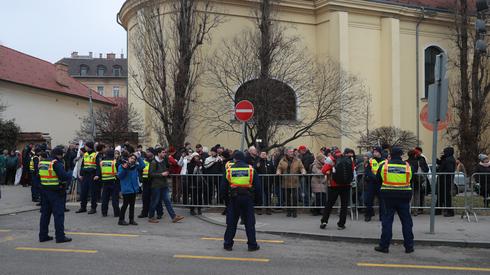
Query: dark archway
[[275, 98]]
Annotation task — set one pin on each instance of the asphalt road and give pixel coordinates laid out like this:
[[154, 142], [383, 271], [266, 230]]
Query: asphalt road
[[195, 247]]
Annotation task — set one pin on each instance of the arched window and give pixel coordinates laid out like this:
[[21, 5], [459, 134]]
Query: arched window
[[275, 98], [430, 63], [100, 70], [83, 70], [116, 70]]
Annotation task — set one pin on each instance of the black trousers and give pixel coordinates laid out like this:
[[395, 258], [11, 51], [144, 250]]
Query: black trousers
[[333, 194], [128, 200]]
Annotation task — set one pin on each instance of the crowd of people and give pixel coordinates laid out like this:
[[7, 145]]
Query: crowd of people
[[192, 175]]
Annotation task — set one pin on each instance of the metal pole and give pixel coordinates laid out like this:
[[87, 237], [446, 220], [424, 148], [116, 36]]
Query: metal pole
[[92, 119], [244, 132], [434, 145]]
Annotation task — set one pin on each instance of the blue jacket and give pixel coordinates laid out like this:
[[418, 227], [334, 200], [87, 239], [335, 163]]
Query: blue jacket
[[129, 177]]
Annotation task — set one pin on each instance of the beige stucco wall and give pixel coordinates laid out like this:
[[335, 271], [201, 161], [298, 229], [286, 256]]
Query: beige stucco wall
[[36, 110], [371, 40], [107, 83]]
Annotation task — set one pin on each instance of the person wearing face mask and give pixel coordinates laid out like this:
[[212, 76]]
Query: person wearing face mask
[[290, 167], [482, 177], [128, 174]]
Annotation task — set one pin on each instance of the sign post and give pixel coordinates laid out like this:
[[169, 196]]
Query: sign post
[[438, 101], [244, 111]]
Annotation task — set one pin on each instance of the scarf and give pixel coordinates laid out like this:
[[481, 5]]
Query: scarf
[[486, 165]]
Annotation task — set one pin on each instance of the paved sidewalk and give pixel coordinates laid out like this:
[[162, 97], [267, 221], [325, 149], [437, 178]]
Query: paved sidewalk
[[16, 199], [449, 231]]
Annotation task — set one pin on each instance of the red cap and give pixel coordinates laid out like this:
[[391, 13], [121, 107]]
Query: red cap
[[301, 147]]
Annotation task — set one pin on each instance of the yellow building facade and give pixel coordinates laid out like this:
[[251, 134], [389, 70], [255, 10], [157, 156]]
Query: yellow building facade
[[374, 40]]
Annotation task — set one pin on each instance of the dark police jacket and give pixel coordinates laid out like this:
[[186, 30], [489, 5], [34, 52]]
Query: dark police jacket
[[255, 191]]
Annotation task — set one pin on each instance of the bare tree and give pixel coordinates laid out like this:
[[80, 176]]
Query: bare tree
[[470, 94], [167, 44], [113, 125], [390, 137], [267, 67]]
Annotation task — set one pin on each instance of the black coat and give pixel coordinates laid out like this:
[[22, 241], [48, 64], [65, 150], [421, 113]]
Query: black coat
[[446, 164], [307, 159]]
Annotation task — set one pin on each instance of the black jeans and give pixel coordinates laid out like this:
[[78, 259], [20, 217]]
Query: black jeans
[[128, 199], [333, 194]]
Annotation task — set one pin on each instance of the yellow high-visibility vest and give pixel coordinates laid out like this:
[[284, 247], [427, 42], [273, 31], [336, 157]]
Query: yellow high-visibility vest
[[374, 165], [31, 163], [396, 176], [108, 169], [146, 170], [47, 174], [89, 160], [240, 176]]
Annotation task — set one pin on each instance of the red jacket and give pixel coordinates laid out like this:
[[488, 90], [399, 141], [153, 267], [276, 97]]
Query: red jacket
[[327, 170], [174, 166]]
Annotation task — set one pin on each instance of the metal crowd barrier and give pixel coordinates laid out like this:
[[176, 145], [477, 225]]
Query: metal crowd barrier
[[454, 192]]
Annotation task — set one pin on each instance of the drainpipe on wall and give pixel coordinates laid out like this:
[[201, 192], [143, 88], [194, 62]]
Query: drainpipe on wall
[[127, 57], [417, 62]]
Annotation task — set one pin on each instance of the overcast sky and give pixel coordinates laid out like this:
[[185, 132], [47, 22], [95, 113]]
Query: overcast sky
[[54, 29]]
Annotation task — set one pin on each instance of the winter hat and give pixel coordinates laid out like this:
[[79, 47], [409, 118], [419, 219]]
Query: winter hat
[[90, 145], [302, 147], [238, 155], [348, 150], [378, 149], [396, 152], [482, 157], [195, 154]]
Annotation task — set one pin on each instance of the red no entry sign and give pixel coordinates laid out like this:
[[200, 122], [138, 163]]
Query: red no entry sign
[[244, 110]]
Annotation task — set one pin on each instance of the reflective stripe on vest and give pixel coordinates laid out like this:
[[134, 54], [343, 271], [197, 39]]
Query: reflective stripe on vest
[[396, 177], [31, 163], [89, 160], [108, 169], [240, 176], [229, 164], [47, 174], [146, 170], [374, 165]]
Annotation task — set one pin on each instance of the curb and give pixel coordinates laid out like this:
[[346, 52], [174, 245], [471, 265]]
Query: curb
[[19, 212], [349, 239]]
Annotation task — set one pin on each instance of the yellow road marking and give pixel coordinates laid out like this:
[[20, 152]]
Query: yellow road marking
[[242, 240], [102, 234], [455, 268], [5, 230], [261, 260], [57, 250]]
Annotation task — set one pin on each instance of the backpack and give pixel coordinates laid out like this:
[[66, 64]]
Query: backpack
[[344, 173]]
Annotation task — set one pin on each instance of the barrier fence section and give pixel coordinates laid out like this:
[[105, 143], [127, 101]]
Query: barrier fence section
[[454, 192]]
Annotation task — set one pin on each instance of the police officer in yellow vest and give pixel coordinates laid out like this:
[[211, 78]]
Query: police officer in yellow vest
[[88, 178], [373, 186], [34, 174], [107, 171], [53, 177], [241, 185], [146, 185], [396, 192]]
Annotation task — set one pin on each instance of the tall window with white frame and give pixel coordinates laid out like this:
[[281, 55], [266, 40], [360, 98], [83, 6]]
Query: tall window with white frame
[[430, 63], [115, 91], [100, 90]]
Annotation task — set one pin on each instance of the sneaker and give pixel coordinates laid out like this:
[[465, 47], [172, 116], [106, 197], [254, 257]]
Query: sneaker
[[340, 227], [153, 220], [382, 249], [122, 222], [177, 218], [254, 248], [409, 250], [323, 225]]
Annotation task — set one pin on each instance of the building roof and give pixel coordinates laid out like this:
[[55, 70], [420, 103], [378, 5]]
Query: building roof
[[92, 64], [23, 69]]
